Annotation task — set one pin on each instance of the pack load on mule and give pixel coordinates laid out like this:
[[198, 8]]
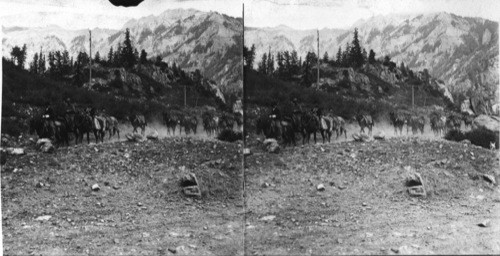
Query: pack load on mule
[[364, 121], [138, 121]]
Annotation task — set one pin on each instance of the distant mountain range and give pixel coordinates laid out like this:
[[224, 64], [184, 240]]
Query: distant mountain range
[[208, 41], [461, 51]]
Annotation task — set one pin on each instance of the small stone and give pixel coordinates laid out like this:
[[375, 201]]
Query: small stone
[[268, 218], [395, 250], [489, 178], [339, 241], [139, 204], [320, 187], [205, 228], [44, 218], [116, 241], [116, 187], [95, 187], [484, 224], [172, 250], [364, 204], [265, 185], [342, 187]]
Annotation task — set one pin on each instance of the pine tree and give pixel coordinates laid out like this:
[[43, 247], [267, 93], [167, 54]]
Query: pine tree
[[41, 63], [144, 57], [129, 59], [117, 56], [339, 57], [365, 56], [34, 64], [403, 69], [346, 57], [279, 62], [110, 56], [249, 56], [325, 58], [356, 54], [294, 64], [263, 64], [270, 64], [371, 57], [97, 57]]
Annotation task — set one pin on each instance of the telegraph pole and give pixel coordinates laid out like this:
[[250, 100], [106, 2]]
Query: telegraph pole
[[412, 96], [90, 57], [318, 56]]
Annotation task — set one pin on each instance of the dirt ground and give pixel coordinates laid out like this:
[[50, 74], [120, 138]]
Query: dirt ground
[[139, 209], [365, 207], [49, 208]]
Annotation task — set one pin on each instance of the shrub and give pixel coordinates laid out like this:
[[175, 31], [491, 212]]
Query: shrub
[[454, 135], [482, 137], [229, 135], [479, 137]]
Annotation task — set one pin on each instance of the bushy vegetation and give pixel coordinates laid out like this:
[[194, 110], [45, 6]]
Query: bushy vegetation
[[479, 137], [229, 135]]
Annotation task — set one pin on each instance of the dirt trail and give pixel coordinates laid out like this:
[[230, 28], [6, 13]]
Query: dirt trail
[[365, 208]]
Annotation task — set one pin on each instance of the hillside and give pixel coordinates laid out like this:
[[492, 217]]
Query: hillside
[[208, 41], [146, 89], [462, 52]]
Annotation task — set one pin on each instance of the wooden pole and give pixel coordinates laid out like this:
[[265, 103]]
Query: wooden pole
[[90, 57], [318, 57], [412, 96]]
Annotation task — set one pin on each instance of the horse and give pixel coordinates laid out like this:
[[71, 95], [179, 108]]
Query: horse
[[138, 121], [326, 127], [83, 125], [365, 120], [398, 120], [190, 122], [210, 122], [310, 125], [112, 126], [338, 124], [171, 120], [99, 127]]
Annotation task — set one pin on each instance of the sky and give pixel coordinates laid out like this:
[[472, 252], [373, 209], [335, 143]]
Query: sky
[[312, 14], [80, 14]]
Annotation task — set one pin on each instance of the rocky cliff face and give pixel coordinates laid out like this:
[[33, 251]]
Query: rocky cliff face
[[463, 52], [208, 41]]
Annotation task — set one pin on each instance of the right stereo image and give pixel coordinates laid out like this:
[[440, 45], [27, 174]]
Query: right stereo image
[[371, 127]]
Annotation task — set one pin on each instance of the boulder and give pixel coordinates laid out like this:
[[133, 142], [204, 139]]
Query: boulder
[[153, 135], [45, 145], [135, 137], [379, 136], [491, 123], [361, 137], [16, 151], [190, 185], [271, 145]]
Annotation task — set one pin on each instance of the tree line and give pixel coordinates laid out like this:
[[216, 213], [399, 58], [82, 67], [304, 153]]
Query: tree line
[[287, 66]]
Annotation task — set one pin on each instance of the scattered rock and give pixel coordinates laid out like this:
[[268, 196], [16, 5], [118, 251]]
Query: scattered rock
[[246, 152], [45, 145], [135, 137], [172, 250], [364, 204], [417, 191], [271, 145], [44, 218], [320, 187], [265, 185], [342, 187], [153, 135], [190, 185], [268, 218], [395, 250], [379, 136], [489, 178], [95, 187], [361, 137], [116, 241], [339, 241], [15, 151], [484, 224]]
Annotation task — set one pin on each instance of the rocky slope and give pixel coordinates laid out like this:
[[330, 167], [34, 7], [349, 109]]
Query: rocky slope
[[208, 41], [461, 51]]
